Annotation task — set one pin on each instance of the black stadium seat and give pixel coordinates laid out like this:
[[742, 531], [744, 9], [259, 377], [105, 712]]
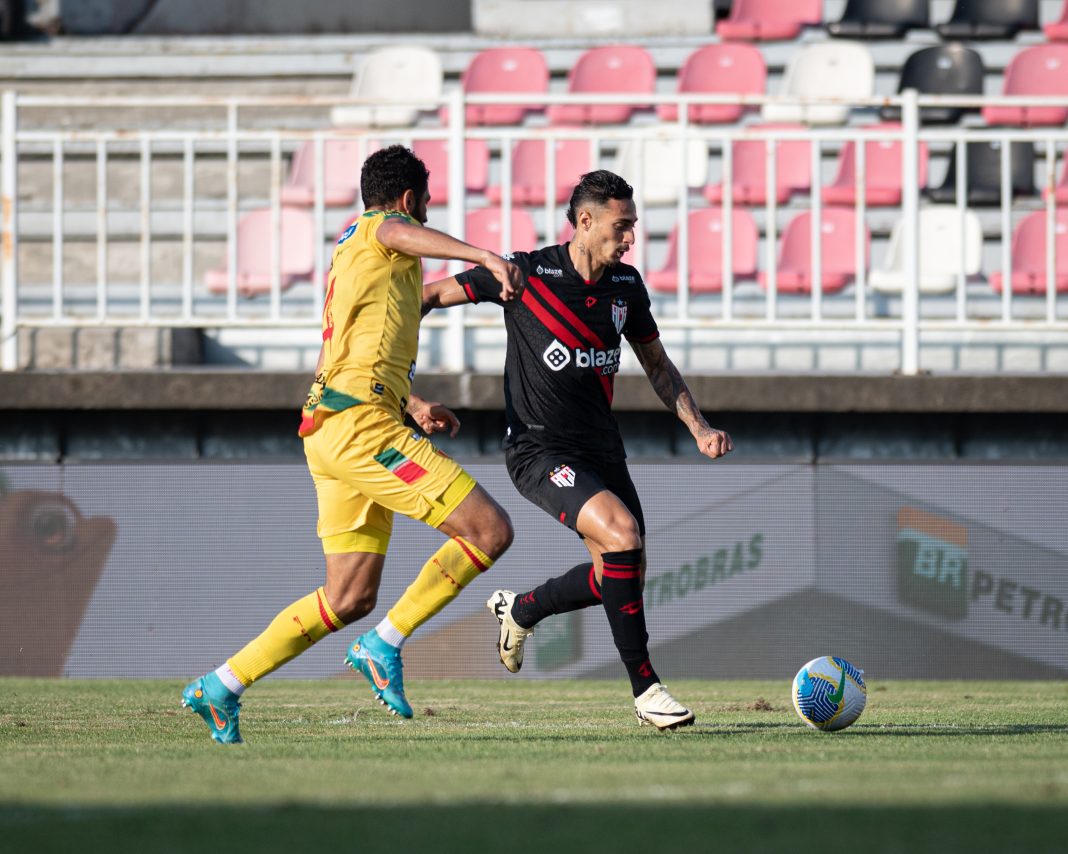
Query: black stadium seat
[[984, 174], [881, 19], [949, 69], [990, 19]]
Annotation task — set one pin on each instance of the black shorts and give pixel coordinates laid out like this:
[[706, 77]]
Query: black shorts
[[561, 482]]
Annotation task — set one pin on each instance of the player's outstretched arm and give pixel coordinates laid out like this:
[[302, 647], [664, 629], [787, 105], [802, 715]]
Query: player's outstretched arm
[[443, 293], [418, 240], [432, 417], [671, 388]]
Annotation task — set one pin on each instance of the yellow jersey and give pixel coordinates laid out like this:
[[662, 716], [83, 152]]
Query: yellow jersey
[[371, 321]]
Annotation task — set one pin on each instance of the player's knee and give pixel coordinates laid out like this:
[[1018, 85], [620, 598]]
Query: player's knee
[[496, 534], [354, 605], [623, 535]]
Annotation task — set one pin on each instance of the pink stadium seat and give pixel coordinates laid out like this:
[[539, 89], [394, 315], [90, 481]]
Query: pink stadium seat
[[769, 20], [618, 69], [528, 170], [836, 252], [255, 252], [504, 69], [435, 154], [567, 231], [1041, 69], [485, 227], [706, 252], [1029, 256], [341, 174], [793, 170], [1060, 191], [882, 168], [1058, 30], [724, 68]]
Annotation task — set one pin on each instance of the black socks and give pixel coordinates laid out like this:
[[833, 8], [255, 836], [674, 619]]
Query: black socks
[[621, 592], [576, 588]]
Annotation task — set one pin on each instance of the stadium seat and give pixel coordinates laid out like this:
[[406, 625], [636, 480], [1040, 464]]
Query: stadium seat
[[837, 253], [843, 70], [769, 20], [943, 245], [1029, 256], [503, 69], [881, 19], [948, 69], [255, 253], [435, 154], [485, 226], [618, 69], [793, 170], [990, 19], [984, 174], [1058, 30], [342, 160], [882, 172], [660, 167], [724, 68], [1038, 70], [409, 77], [707, 236], [573, 160]]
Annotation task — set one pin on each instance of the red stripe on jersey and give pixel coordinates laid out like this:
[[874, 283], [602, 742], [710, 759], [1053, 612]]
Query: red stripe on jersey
[[471, 295], [548, 321], [619, 573], [609, 387], [646, 339], [566, 313]]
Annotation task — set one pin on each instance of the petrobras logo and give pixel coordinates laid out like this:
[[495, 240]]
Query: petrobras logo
[[549, 271], [618, 278], [556, 356], [347, 233]]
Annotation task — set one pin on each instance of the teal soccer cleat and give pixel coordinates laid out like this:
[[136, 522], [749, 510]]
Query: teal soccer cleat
[[381, 665], [217, 705]]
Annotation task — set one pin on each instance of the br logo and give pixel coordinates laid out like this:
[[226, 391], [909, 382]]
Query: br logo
[[932, 563], [51, 558]]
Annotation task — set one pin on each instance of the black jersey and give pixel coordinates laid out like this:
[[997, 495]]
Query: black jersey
[[564, 337]]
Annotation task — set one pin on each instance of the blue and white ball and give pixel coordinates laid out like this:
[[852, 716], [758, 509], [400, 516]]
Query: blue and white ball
[[829, 693]]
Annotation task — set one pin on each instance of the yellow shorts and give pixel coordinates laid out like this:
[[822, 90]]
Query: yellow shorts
[[367, 465]]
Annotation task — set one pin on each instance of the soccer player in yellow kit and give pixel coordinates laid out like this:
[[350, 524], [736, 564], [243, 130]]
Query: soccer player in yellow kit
[[366, 464]]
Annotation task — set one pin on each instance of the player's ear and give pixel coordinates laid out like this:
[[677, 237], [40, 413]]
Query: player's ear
[[408, 202], [584, 219]]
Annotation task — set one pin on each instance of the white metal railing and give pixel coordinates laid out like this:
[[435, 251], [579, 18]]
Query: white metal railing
[[213, 218]]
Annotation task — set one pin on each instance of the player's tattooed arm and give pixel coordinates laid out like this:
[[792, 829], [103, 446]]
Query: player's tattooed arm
[[671, 388]]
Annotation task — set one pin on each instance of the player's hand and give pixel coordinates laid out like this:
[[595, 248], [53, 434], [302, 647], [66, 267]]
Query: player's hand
[[507, 273], [713, 443], [434, 418]]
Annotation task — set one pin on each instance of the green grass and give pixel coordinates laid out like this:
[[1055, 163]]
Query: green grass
[[526, 766]]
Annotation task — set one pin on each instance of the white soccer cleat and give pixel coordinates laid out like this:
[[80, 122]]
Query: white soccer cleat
[[512, 636], [657, 707]]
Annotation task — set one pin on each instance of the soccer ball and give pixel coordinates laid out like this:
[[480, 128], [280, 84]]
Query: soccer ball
[[829, 693]]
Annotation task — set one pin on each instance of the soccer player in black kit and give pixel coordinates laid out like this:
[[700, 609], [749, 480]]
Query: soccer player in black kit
[[563, 447]]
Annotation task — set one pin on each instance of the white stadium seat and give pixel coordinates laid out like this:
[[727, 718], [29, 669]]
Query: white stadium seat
[[838, 69], [660, 167], [942, 238], [410, 77]]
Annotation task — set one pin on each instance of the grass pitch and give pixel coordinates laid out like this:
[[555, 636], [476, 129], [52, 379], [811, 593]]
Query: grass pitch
[[532, 766]]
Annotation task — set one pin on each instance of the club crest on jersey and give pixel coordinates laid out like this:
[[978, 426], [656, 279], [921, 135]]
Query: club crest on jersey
[[619, 314], [556, 356], [562, 476]]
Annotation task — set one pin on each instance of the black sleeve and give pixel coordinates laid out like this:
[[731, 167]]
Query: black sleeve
[[480, 285], [640, 327]]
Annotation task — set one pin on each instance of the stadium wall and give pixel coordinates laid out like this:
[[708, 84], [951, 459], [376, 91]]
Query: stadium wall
[[910, 571]]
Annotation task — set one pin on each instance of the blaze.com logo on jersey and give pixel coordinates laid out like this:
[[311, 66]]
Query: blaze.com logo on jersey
[[558, 357]]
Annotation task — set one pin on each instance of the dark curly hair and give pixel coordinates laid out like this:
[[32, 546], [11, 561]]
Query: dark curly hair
[[390, 171], [597, 187]]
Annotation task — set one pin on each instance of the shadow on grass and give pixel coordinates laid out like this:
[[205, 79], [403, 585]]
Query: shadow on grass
[[515, 829]]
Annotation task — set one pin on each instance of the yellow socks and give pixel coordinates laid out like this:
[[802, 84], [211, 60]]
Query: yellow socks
[[451, 568], [296, 628]]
